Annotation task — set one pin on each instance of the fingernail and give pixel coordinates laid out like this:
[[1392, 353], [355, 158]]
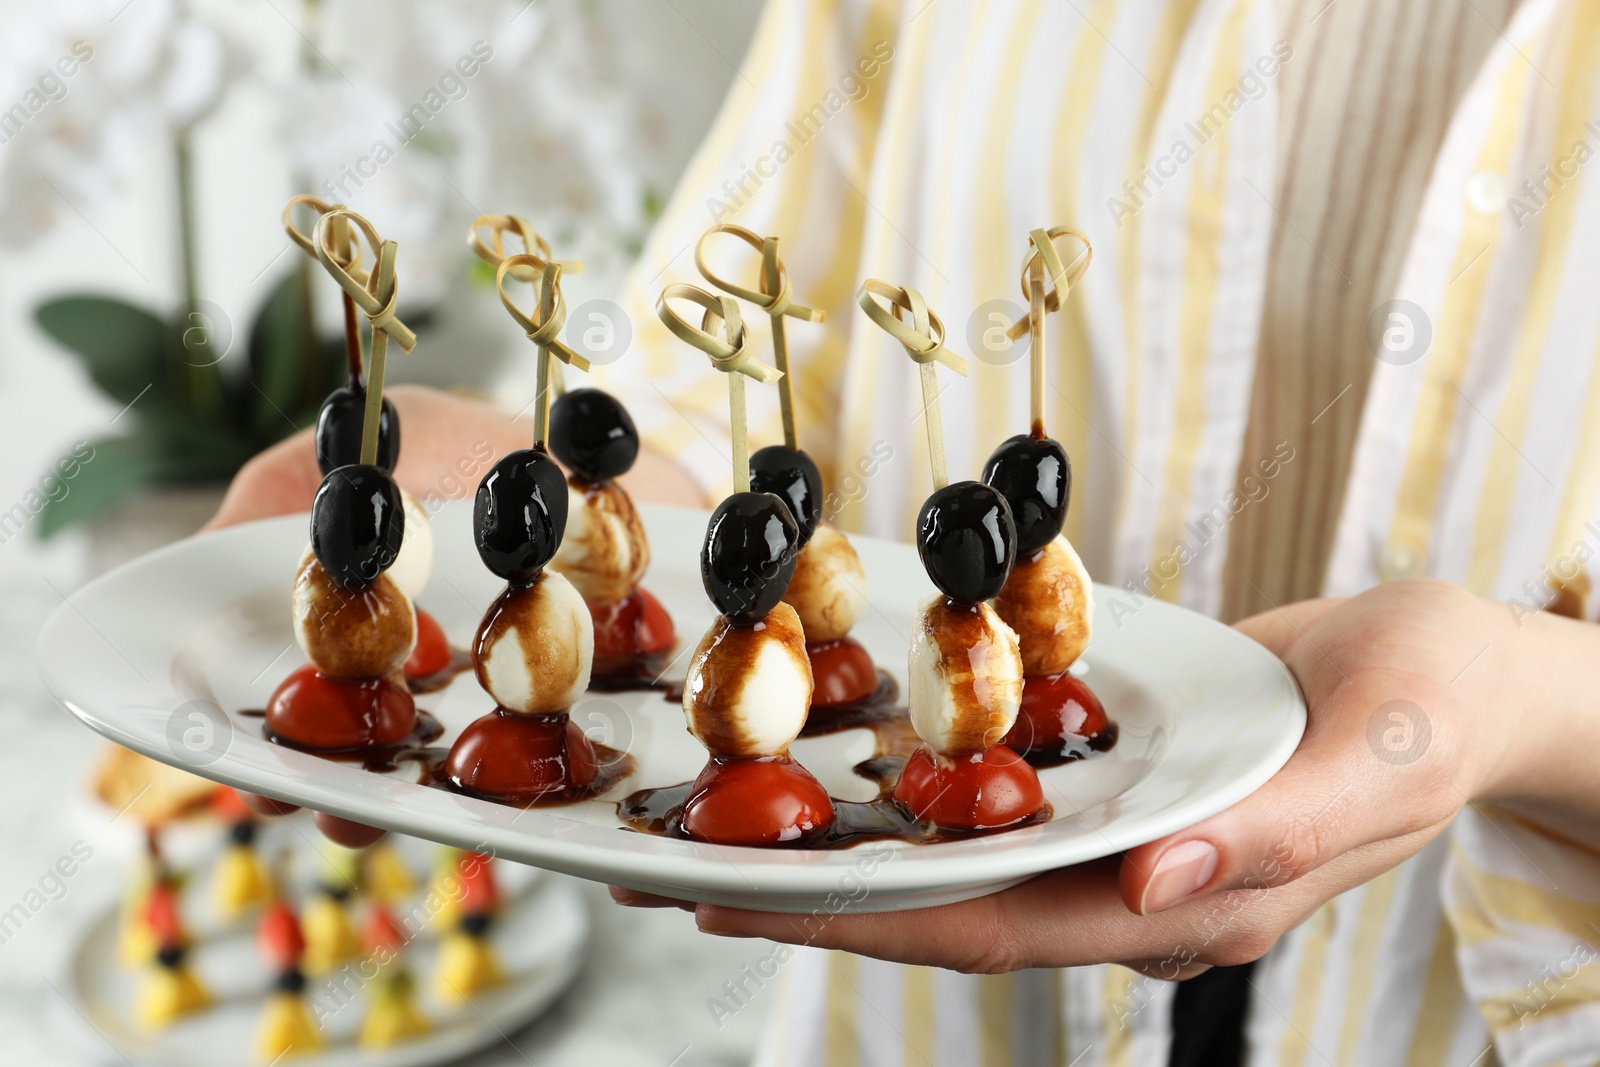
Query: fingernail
[[1181, 872]]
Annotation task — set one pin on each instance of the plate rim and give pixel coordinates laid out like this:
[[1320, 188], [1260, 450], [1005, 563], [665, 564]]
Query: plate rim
[[739, 871]]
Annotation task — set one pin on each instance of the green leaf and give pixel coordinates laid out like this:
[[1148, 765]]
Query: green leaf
[[122, 345], [90, 482]]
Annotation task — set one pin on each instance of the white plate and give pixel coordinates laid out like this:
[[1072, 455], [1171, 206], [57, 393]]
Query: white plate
[[539, 937], [147, 655]]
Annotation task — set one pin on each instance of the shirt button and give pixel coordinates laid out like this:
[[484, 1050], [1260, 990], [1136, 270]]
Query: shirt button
[[1396, 562], [1486, 193]]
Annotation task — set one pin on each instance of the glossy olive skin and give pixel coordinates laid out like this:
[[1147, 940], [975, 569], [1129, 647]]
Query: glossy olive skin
[[791, 476], [357, 524], [1035, 477], [967, 540], [593, 434], [339, 430], [520, 514], [749, 554]]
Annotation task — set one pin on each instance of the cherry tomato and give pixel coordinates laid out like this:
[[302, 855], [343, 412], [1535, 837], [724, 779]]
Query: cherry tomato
[[432, 652], [334, 714], [1057, 710], [521, 758], [765, 800], [983, 792], [841, 673]]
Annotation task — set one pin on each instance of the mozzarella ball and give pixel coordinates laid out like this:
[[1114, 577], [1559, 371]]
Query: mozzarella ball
[[829, 587], [749, 687], [535, 646], [1049, 601], [604, 552], [965, 677], [411, 568], [351, 634]]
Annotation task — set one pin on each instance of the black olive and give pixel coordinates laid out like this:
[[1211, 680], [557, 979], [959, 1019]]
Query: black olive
[[1035, 477], [593, 434], [791, 476], [242, 832], [357, 523], [520, 514], [475, 924], [339, 430], [290, 981], [967, 540], [170, 956], [748, 556]]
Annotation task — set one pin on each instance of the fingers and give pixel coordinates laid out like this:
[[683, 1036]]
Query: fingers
[[633, 898], [344, 832], [280, 481], [1066, 918], [1332, 797], [1280, 628], [265, 805]]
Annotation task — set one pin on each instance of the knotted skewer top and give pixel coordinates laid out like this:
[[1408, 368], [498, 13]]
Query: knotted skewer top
[[493, 250], [543, 327], [923, 340], [922, 337], [375, 292], [721, 336], [1043, 263], [1043, 258], [771, 296]]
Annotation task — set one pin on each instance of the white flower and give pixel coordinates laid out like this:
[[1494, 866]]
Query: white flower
[[87, 89]]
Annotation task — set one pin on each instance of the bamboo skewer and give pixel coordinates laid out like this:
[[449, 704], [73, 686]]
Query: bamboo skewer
[[543, 328], [493, 251], [772, 296], [376, 295], [728, 354], [923, 340], [1043, 264]]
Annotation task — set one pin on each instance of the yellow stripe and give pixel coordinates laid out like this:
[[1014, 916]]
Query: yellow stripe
[[1073, 361], [1510, 900], [841, 1038], [959, 82], [918, 1015], [1455, 328], [1163, 55], [995, 999], [1114, 1028], [1207, 207], [868, 346], [1296, 1040], [1365, 943], [991, 236], [820, 377], [1553, 993], [1440, 1004], [1582, 23]]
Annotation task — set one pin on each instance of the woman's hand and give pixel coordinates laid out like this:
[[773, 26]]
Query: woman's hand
[[1409, 687]]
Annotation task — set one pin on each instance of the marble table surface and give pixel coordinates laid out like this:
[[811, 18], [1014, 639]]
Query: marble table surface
[[641, 1000]]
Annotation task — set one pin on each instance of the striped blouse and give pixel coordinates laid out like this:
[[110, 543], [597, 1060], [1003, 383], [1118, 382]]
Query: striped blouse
[[1349, 243]]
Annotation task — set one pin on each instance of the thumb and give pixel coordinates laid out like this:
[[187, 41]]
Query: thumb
[[1335, 794]]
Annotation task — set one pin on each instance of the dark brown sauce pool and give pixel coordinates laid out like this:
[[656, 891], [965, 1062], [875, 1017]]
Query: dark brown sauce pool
[[636, 673], [611, 766], [460, 663], [414, 746], [657, 811]]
